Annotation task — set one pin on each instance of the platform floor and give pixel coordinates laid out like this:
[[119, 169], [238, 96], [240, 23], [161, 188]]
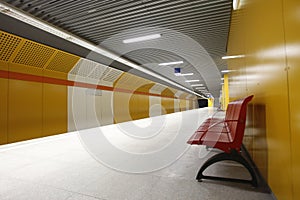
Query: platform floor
[[136, 161]]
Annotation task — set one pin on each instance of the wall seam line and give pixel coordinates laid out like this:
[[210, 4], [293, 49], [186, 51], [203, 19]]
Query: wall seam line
[[288, 95]]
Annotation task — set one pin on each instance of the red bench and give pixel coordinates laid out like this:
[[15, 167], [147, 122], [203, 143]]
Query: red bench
[[227, 135]]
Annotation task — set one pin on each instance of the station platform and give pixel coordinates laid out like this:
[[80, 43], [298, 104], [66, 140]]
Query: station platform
[[142, 159]]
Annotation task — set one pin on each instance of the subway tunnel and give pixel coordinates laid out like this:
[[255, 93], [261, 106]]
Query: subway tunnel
[[99, 98]]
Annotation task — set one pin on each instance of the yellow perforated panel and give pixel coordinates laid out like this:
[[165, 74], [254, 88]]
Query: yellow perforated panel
[[62, 62], [33, 54], [8, 44], [131, 82], [111, 74]]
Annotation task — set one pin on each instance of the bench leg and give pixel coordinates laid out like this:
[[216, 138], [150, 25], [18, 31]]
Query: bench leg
[[234, 156]]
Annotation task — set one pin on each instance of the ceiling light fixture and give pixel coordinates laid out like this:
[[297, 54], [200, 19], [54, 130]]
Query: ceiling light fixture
[[142, 38], [191, 81], [235, 4], [231, 57], [226, 71], [21, 16], [170, 63], [195, 85], [186, 74]]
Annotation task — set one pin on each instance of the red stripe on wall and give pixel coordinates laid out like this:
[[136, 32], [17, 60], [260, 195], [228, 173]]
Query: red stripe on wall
[[56, 81]]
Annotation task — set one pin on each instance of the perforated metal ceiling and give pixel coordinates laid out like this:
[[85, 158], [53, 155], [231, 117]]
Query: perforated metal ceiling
[[204, 21]]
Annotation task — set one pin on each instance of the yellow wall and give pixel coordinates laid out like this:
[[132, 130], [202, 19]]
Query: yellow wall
[[267, 33], [3, 110], [34, 97], [54, 109], [139, 106], [25, 110], [292, 37], [225, 92], [210, 102], [167, 103]]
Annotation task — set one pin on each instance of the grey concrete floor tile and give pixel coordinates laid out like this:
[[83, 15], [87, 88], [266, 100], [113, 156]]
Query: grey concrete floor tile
[[122, 186], [13, 189]]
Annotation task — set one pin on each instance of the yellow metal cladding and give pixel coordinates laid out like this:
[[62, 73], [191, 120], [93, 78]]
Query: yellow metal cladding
[[33, 54], [139, 104], [8, 44], [32, 109], [210, 102], [54, 109], [3, 110], [25, 110], [183, 102], [269, 39], [292, 32], [226, 91], [131, 82], [62, 62], [130, 106], [167, 103], [30, 57]]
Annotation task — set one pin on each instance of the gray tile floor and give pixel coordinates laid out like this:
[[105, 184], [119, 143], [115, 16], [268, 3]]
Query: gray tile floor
[[65, 167]]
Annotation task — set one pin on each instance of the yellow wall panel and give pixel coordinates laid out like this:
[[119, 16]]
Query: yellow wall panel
[[182, 104], [3, 110], [54, 109], [259, 35], [167, 103], [25, 116], [292, 32], [139, 106]]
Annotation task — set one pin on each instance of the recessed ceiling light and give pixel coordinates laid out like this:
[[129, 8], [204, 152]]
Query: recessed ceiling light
[[143, 38], [91, 11], [195, 85], [171, 63], [186, 74], [235, 4], [191, 81], [231, 57], [226, 71]]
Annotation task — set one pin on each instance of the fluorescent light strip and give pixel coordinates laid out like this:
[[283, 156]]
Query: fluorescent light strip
[[191, 81], [171, 63], [231, 57], [195, 85], [197, 88], [226, 71], [12, 12], [143, 38], [187, 74], [235, 4]]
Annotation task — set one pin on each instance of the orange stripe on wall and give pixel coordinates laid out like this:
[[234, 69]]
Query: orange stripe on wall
[[56, 81]]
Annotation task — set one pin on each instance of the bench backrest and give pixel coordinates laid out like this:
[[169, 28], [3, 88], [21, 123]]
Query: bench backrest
[[236, 120]]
